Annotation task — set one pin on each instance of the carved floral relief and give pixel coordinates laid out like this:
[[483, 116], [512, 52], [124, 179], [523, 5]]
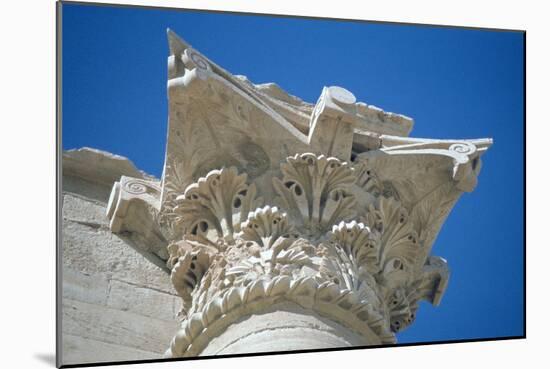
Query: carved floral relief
[[266, 198]]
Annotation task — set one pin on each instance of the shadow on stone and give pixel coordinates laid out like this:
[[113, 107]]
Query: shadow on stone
[[46, 358]]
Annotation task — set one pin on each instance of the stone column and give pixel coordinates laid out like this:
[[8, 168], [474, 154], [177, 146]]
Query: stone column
[[284, 326], [288, 225]]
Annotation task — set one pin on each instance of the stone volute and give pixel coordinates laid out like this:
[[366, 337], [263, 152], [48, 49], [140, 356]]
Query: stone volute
[[287, 225]]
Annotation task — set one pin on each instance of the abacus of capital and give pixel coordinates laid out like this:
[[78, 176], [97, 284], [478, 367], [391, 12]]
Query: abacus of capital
[[288, 225]]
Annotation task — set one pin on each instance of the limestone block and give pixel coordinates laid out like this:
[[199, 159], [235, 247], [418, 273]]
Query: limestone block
[[84, 211], [97, 166], [92, 289], [95, 250], [105, 280], [118, 303], [101, 323], [78, 350], [99, 290], [142, 300], [83, 188]]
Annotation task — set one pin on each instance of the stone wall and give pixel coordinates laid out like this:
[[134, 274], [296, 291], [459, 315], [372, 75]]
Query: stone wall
[[117, 303]]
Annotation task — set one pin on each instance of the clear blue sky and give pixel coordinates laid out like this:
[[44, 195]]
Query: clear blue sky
[[455, 83]]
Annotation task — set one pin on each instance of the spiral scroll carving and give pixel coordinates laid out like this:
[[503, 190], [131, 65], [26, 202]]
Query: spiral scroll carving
[[135, 187], [463, 148]]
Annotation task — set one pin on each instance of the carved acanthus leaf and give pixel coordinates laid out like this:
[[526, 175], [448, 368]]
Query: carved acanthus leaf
[[326, 298], [188, 264], [399, 240], [315, 191], [402, 304], [431, 211], [429, 284], [213, 208], [349, 241], [265, 226], [433, 280], [359, 242], [367, 179], [268, 265], [350, 259]]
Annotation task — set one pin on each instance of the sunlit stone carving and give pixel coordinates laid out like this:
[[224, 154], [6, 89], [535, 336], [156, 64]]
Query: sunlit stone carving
[[319, 219]]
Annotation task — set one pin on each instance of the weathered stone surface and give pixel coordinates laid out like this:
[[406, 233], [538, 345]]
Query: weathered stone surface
[[87, 351], [282, 327], [267, 199], [94, 250], [140, 199], [114, 326], [82, 210], [118, 303], [90, 173], [97, 166], [92, 191], [79, 286], [142, 300], [303, 225]]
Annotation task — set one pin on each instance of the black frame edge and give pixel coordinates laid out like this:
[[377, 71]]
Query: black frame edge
[[59, 198]]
